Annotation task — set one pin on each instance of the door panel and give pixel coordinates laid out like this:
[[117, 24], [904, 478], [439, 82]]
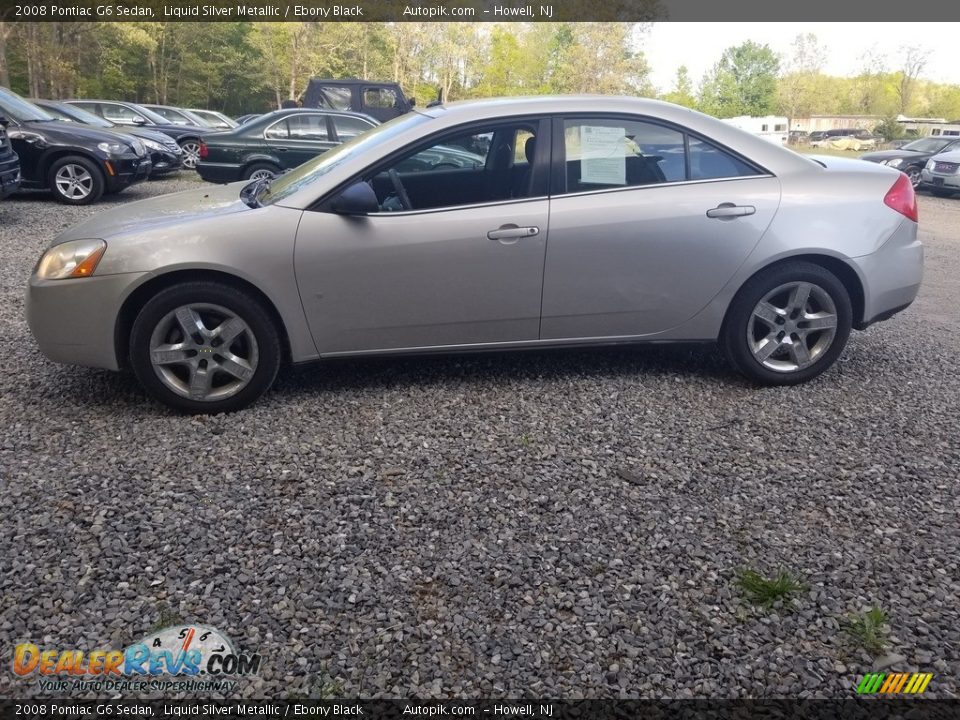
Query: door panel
[[643, 260], [399, 280]]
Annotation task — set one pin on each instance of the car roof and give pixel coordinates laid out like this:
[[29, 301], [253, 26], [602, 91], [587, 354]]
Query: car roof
[[283, 112], [351, 81]]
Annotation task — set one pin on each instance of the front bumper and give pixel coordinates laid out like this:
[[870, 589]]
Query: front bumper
[[936, 181], [74, 321], [126, 172], [165, 162], [9, 177], [220, 172], [891, 275]]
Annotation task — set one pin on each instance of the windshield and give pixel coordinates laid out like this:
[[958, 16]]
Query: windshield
[[19, 109], [310, 171], [928, 144], [75, 114]]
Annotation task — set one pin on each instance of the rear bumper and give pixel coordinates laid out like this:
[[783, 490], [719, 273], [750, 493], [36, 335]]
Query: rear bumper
[[74, 321], [220, 172], [892, 275]]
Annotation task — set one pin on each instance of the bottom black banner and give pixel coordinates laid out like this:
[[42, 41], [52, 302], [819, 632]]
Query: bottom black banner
[[853, 709]]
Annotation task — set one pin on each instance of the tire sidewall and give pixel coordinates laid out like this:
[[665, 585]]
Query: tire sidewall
[[237, 301], [251, 169], [99, 182], [734, 338]]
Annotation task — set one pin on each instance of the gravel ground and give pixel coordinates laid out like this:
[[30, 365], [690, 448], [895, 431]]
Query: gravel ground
[[566, 524]]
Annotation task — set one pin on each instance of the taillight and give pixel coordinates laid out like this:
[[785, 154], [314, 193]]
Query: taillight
[[204, 151], [902, 198]]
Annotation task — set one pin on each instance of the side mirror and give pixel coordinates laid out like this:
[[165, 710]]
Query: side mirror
[[358, 199], [413, 102], [139, 120]]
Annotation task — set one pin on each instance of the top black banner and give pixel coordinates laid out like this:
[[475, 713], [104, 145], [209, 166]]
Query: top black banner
[[851, 11]]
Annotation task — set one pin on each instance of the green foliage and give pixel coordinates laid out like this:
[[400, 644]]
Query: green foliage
[[889, 129], [764, 591], [870, 630], [682, 93], [743, 82]]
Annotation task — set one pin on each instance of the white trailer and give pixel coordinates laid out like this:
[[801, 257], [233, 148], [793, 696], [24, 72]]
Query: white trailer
[[770, 127]]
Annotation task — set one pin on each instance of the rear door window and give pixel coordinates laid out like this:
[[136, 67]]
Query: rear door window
[[348, 127], [379, 98], [338, 98], [308, 127]]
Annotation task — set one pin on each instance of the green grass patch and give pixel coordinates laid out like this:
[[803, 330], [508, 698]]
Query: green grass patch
[[870, 630], [765, 591]]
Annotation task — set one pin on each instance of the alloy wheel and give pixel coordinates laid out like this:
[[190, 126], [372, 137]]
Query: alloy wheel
[[792, 326], [914, 174], [262, 174], [191, 154], [204, 352], [74, 182]]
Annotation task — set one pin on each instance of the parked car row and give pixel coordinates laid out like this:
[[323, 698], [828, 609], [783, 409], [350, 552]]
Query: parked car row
[[912, 158]]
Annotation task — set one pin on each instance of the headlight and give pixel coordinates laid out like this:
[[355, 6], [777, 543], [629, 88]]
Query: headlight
[[896, 162], [74, 259], [930, 164], [114, 148], [153, 145]]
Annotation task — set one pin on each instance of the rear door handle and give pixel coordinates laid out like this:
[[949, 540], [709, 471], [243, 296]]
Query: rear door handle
[[512, 232], [729, 211]]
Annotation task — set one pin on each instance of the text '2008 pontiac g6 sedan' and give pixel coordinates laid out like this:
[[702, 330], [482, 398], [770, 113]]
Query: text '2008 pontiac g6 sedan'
[[576, 221]]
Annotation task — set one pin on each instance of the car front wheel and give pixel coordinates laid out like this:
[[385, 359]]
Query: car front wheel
[[204, 347], [75, 180], [913, 172], [788, 324]]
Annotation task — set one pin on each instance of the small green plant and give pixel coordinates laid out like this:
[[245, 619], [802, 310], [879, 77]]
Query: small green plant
[[870, 630], [168, 617], [765, 591]]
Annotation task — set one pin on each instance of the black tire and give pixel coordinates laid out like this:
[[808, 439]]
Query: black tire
[[943, 193], [250, 170], [78, 165], [734, 336], [913, 172], [251, 311]]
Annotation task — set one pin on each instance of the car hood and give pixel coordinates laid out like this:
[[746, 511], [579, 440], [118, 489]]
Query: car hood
[[891, 154], [174, 209], [71, 133], [951, 156], [141, 132]]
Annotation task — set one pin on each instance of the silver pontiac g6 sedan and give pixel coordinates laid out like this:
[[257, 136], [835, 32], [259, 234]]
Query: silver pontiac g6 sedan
[[578, 221]]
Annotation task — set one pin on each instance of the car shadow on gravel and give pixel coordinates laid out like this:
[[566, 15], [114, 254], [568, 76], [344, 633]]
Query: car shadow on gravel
[[686, 361]]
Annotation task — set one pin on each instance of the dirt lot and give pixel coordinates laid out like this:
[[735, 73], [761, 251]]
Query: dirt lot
[[557, 524]]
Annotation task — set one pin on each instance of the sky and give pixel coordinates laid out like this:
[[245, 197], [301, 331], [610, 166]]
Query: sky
[[667, 46]]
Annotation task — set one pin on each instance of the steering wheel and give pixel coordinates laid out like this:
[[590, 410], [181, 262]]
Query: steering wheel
[[401, 191]]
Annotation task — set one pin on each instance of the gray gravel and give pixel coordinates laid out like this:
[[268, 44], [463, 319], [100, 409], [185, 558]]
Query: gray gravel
[[545, 524]]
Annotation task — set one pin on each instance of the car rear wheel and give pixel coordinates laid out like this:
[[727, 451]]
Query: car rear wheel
[[191, 153], [787, 324], [261, 171], [204, 347], [75, 180]]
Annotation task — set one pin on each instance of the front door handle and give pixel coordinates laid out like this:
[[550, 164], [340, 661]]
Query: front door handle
[[512, 232], [729, 211]]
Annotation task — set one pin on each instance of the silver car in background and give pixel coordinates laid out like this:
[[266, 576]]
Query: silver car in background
[[941, 174], [589, 221]]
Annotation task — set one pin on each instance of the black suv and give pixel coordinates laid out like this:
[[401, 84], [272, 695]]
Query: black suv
[[78, 164], [381, 100], [9, 162], [125, 113]]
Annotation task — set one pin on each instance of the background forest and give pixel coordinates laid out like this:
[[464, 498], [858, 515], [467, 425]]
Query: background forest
[[240, 67]]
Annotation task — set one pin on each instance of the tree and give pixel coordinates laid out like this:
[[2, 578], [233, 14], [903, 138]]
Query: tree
[[797, 89], [914, 60], [743, 82], [682, 93]]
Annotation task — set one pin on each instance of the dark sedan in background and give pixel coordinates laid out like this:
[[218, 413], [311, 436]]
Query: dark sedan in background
[[77, 164], [165, 155], [278, 141], [911, 158], [125, 113]]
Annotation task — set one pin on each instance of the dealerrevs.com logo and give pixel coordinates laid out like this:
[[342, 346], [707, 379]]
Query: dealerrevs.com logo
[[202, 658]]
